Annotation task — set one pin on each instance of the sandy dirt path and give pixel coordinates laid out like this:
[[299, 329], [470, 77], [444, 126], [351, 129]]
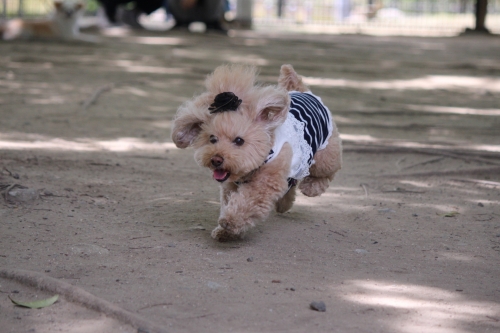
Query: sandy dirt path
[[407, 238]]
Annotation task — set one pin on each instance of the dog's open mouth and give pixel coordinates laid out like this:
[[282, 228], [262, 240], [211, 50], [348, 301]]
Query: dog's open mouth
[[221, 175]]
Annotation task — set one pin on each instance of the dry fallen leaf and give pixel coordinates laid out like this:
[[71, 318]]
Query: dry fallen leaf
[[36, 304]]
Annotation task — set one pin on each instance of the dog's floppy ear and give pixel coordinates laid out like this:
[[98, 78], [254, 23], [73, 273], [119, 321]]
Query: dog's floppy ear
[[187, 124], [273, 106]]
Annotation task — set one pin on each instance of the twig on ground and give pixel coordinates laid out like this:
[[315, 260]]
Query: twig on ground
[[12, 174], [7, 188], [364, 188], [461, 156], [140, 237], [201, 316], [152, 306], [401, 190], [446, 173], [399, 161], [466, 155], [478, 181], [95, 95], [434, 160]]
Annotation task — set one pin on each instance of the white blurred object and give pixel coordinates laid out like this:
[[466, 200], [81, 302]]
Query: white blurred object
[[390, 13], [197, 27], [158, 20]]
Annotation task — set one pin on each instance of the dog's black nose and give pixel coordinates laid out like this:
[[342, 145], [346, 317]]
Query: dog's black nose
[[216, 161]]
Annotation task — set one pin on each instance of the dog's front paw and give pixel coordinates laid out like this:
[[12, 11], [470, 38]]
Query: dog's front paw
[[230, 229], [225, 224], [224, 235]]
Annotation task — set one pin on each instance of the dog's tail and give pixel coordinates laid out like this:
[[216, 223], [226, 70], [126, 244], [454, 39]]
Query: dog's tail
[[290, 80]]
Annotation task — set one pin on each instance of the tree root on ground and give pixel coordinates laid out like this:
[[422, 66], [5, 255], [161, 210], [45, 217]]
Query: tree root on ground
[[77, 295]]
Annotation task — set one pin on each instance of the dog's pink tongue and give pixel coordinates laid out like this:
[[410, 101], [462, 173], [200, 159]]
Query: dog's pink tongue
[[220, 174]]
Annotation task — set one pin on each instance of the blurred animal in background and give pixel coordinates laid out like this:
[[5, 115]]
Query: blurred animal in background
[[62, 24]]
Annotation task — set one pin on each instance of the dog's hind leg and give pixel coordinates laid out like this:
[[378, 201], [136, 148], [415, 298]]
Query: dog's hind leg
[[327, 162], [290, 80], [285, 204]]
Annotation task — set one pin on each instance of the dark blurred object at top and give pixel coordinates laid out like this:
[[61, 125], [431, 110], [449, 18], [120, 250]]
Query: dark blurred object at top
[[140, 6], [210, 12]]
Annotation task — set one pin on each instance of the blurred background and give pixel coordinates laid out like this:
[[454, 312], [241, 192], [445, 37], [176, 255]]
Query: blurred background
[[387, 17]]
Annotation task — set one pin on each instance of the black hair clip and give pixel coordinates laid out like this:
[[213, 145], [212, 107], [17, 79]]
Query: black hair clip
[[226, 101]]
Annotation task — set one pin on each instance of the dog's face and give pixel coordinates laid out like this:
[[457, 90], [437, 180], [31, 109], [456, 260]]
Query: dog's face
[[231, 143], [68, 11]]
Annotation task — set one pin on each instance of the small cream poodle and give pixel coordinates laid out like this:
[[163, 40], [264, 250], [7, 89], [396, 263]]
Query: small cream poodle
[[260, 142]]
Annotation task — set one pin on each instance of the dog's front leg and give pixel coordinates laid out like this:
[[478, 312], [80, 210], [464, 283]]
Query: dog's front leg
[[226, 190], [253, 201]]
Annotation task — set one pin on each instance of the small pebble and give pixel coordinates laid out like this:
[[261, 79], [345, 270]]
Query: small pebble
[[480, 204], [250, 259], [318, 306]]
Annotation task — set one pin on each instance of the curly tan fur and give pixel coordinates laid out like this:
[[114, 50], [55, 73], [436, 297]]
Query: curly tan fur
[[250, 188], [290, 80], [328, 162]]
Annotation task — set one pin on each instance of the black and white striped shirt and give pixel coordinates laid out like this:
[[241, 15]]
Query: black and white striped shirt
[[307, 129], [316, 118]]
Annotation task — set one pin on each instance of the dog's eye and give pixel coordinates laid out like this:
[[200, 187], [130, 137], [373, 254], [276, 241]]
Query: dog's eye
[[239, 141], [213, 139]]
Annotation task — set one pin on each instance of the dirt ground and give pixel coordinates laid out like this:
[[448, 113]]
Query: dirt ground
[[406, 239]]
